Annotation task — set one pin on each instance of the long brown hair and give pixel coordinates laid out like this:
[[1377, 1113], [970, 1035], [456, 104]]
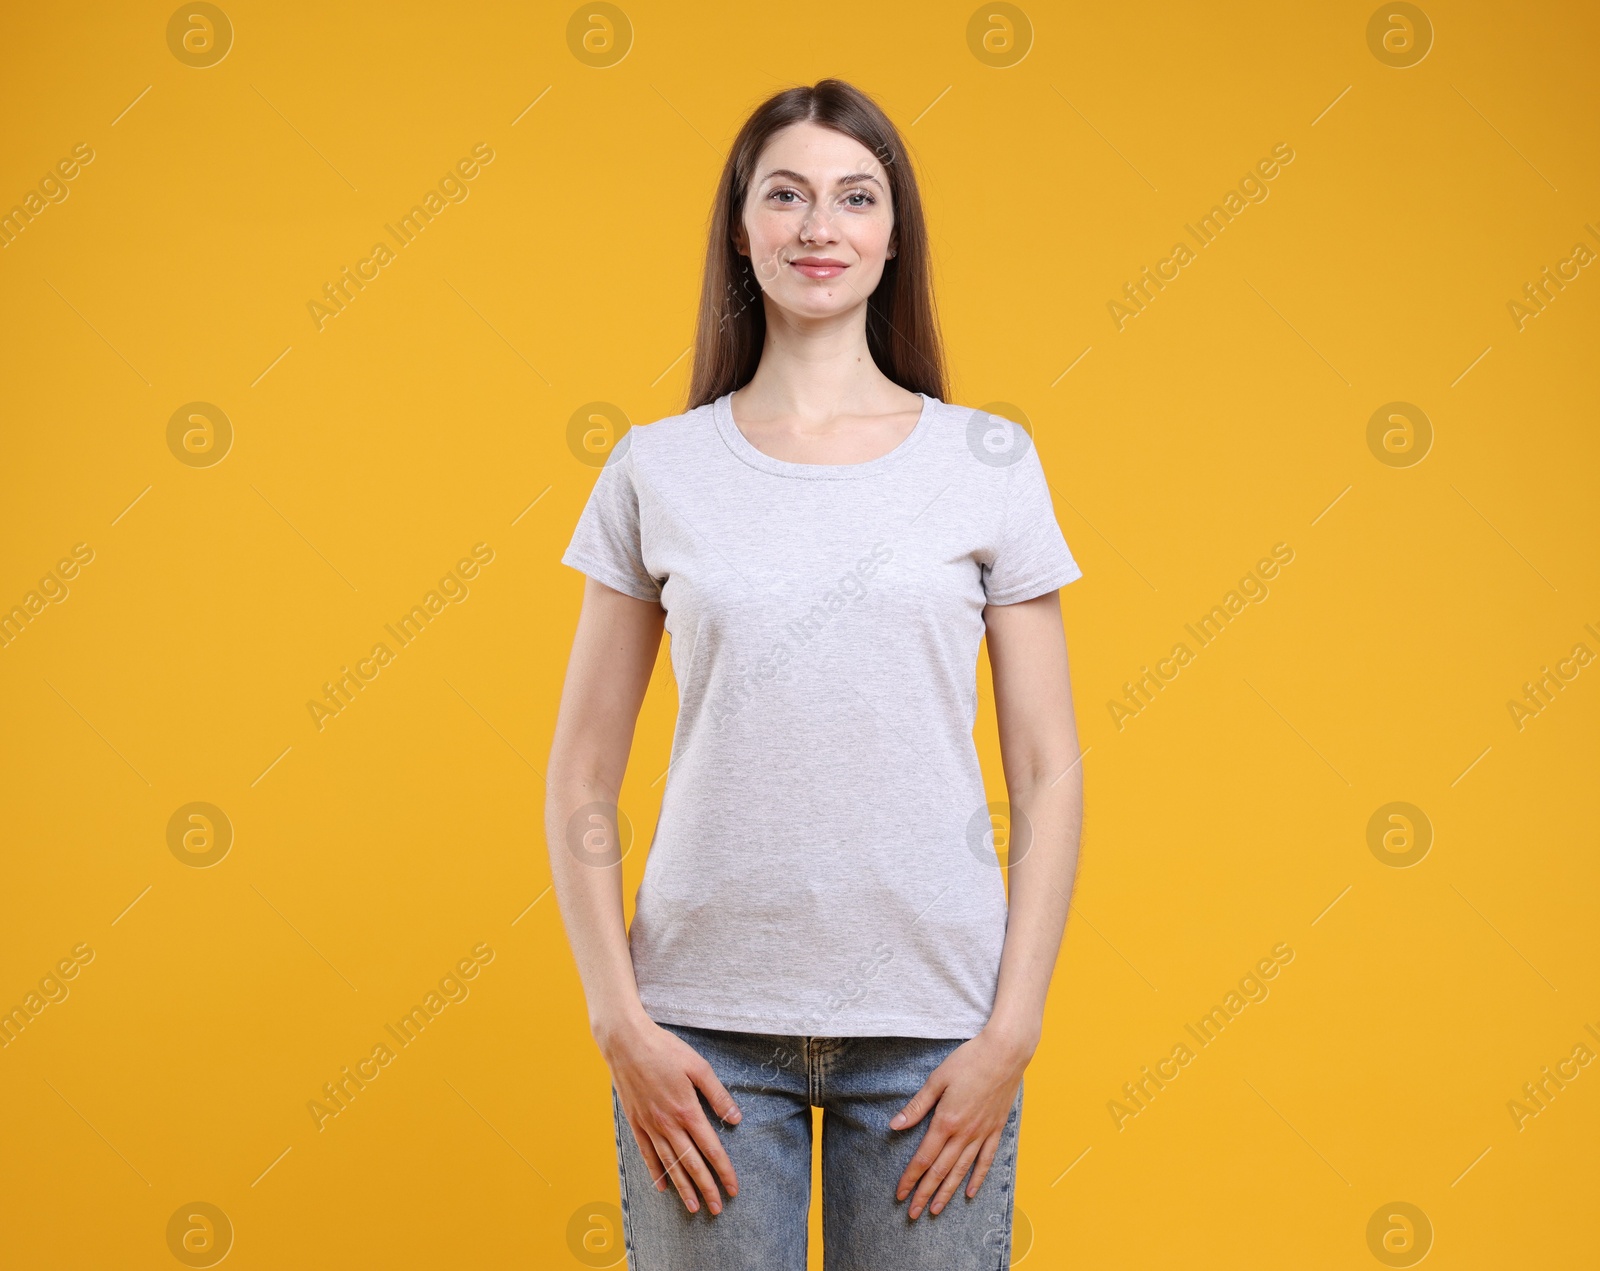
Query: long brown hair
[[902, 324]]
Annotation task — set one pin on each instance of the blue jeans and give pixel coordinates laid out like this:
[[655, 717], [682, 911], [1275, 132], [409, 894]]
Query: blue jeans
[[859, 1083]]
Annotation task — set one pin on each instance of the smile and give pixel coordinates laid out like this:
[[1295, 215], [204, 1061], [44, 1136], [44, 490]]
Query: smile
[[813, 267]]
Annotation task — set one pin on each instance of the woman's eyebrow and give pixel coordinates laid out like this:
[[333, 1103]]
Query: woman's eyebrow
[[849, 178]]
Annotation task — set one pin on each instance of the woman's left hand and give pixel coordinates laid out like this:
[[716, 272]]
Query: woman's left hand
[[971, 1094]]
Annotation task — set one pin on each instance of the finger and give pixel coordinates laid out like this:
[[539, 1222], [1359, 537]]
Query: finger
[[652, 1160], [716, 1093], [924, 1099], [933, 1142], [673, 1169], [991, 1145], [952, 1180], [935, 1175], [691, 1160], [671, 1172], [710, 1144]]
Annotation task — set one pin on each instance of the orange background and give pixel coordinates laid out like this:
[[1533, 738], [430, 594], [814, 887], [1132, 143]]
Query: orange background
[[1231, 814]]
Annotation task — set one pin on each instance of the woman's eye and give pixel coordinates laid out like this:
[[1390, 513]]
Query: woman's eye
[[855, 199]]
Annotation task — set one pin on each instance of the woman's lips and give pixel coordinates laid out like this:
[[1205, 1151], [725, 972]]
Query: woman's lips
[[819, 270]]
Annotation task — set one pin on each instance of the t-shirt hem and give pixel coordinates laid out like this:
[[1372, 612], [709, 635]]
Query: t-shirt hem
[[773, 1026], [609, 576], [1027, 591]]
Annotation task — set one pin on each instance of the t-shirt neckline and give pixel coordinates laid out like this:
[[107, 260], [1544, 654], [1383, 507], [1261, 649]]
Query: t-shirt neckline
[[736, 441]]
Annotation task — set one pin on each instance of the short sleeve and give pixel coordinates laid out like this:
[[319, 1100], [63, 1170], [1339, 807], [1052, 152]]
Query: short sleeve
[[1030, 556], [607, 544]]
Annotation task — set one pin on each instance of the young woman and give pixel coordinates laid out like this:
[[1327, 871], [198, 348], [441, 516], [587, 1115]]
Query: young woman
[[822, 920]]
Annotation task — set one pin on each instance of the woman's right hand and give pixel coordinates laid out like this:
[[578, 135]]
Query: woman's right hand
[[657, 1075]]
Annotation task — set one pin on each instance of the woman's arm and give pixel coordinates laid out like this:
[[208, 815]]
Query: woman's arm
[[613, 655], [1044, 783], [971, 1093], [656, 1074]]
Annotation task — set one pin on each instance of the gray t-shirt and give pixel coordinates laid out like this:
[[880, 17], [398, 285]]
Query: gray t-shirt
[[823, 863]]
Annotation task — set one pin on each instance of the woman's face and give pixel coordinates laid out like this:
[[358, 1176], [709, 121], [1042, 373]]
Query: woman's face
[[817, 221]]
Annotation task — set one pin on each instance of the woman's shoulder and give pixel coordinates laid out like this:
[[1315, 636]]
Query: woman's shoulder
[[668, 428], [667, 440], [989, 438]]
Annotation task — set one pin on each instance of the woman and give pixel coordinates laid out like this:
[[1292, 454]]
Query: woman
[[822, 919]]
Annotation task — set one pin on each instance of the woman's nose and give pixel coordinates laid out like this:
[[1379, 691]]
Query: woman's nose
[[817, 227]]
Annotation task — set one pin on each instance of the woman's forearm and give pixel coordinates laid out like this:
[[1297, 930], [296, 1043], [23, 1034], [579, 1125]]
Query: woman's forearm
[[1041, 892], [586, 872]]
